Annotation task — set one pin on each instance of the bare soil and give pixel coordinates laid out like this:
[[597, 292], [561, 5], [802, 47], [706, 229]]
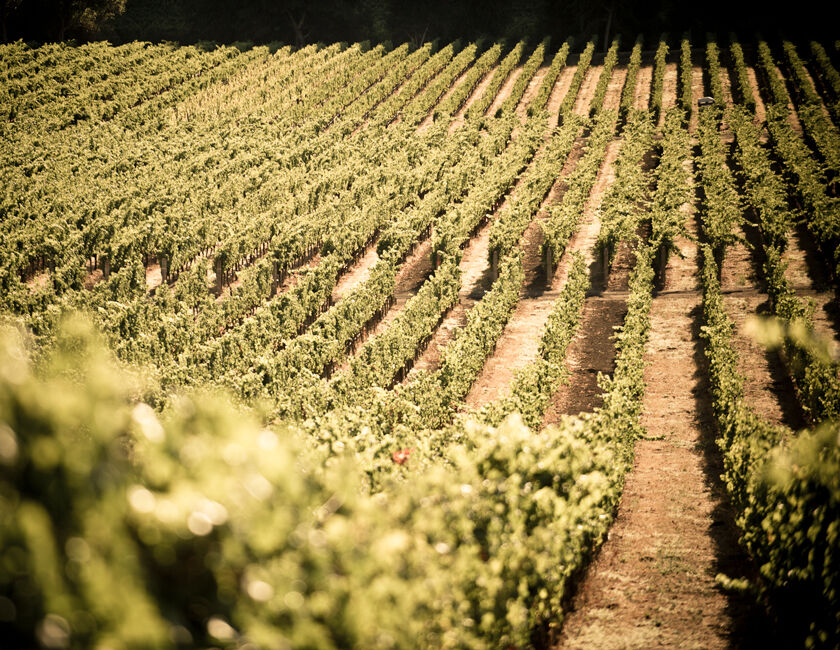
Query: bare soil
[[476, 280], [641, 96], [531, 91], [558, 93], [697, 91], [477, 92], [669, 88], [612, 99], [93, 278], [807, 275], [39, 280], [652, 583], [411, 276], [153, 276], [760, 111], [587, 89], [793, 118], [504, 91], [519, 343], [591, 351], [357, 273], [767, 385]]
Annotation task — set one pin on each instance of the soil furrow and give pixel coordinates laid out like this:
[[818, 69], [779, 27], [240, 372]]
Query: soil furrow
[[476, 280], [519, 343], [669, 88], [587, 90], [591, 351], [697, 91], [412, 274], [357, 273], [531, 92], [504, 91], [641, 95], [612, 99], [760, 111], [477, 92], [767, 385], [558, 93], [652, 583]]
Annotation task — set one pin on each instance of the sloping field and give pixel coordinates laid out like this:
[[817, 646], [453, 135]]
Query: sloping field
[[463, 345]]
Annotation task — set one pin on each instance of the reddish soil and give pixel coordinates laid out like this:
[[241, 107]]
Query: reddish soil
[[357, 273], [558, 93], [641, 97], [531, 91], [587, 89], [697, 91], [669, 88], [653, 582], [760, 112], [504, 91], [616, 86], [477, 92], [476, 280]]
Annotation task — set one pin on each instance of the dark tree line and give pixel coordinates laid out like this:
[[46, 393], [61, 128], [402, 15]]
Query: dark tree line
[[306, 21]]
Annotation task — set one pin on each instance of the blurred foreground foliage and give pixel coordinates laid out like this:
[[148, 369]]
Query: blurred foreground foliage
[[126, 527]]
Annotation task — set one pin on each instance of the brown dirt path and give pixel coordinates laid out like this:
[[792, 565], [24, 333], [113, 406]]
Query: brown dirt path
[[760, 110], [504, 91], [587, 90], [641, 96], [476, 280], [356, 273], [411, 276], [531, 92], [669, 88], [558, 93], [519, 343], [697, 91], [612, 99], [591, 350], [477, 92], [767, 386], [652, 583]]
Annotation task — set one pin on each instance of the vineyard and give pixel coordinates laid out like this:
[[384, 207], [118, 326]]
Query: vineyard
[[497, 345]]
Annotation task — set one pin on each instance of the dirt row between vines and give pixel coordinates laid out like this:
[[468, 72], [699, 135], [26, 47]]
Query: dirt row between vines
[[591, 350], [475, 271], [476, 278], [652, 583], [478, 91], [519, 342], [518, 345]]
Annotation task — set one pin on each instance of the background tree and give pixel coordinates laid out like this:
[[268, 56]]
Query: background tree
[[7, 8]]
